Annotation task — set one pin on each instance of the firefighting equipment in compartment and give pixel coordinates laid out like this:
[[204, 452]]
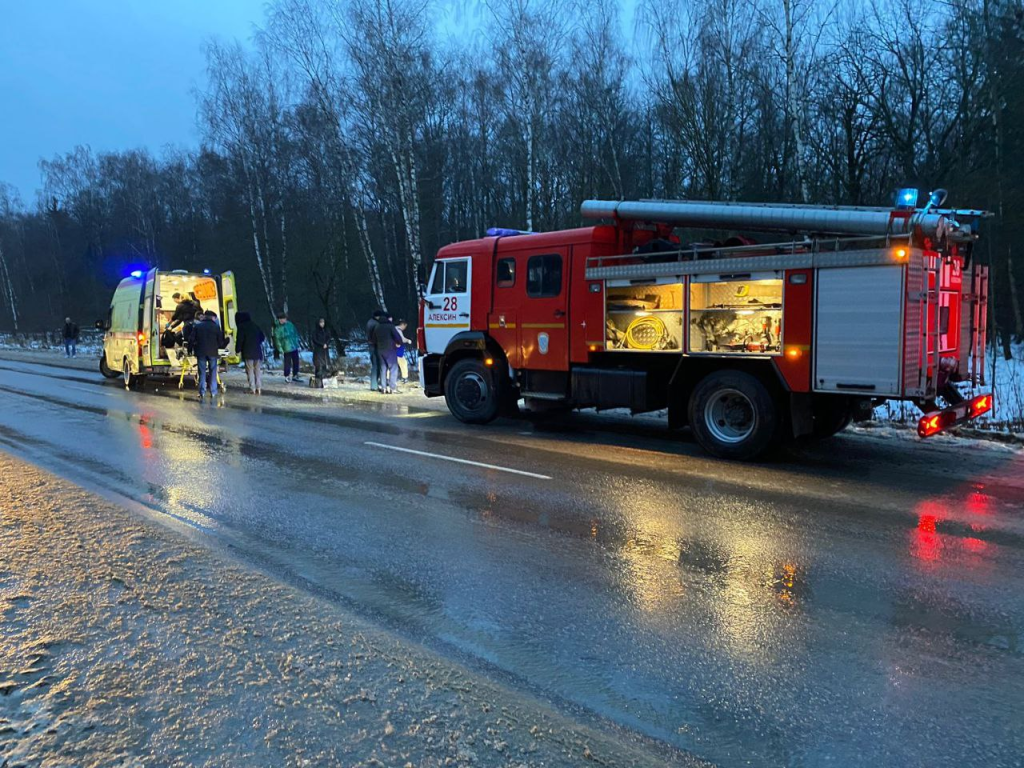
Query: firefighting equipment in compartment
[[646, 332]]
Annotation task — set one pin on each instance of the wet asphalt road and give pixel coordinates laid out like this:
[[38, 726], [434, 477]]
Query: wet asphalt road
[[857, 602]]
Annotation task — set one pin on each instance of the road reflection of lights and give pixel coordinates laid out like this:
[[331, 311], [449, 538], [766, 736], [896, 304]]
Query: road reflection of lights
[[979, 502], [930, 544], [145, 435], [650, 554], [925, 544]]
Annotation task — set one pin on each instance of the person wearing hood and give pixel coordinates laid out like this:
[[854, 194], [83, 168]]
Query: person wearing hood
[[321, 341], [249, 340]]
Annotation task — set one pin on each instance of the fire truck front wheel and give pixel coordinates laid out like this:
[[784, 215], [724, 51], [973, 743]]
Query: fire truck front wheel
[[732, 415], [471, 392]]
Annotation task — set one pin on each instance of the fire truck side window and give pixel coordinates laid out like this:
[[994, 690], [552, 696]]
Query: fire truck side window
[[544, 276], [506, 273], [455, 277], [437, 284]]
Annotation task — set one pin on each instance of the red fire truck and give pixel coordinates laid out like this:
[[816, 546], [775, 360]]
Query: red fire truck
[[748, 341]]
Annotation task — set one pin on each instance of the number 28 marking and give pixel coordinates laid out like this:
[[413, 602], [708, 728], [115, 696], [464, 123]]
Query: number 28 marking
[[451, 303]]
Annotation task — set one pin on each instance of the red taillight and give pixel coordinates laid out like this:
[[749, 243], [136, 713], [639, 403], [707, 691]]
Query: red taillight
[[981, 404], [933, 423]]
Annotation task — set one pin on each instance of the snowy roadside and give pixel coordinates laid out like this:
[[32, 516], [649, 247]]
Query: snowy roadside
[[892, 422], [127, 645]]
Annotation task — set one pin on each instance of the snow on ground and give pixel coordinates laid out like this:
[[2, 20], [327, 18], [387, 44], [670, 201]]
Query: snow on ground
[[125, 644], [1006, 418], [1007, 414]]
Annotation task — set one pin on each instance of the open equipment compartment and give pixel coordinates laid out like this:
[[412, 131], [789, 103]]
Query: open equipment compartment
[[741, 315], [644, 318]]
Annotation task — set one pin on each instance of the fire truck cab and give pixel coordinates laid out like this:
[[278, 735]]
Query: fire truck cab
[[747, 342]]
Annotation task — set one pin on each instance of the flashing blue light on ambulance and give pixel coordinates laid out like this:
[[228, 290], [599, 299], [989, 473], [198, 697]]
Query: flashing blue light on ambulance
[[136, 274], [907, 198], [206, 271]]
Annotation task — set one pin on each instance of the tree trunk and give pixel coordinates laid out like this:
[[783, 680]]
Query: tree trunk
[[284, 267], [1018, 321], [371, 258], [268, 285], [8, 288]]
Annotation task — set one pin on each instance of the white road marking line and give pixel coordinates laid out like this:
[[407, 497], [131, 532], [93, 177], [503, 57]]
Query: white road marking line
[[458, 461], [90, 390]]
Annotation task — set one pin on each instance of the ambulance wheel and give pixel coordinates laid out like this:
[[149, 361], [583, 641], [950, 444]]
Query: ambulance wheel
[[732, 415], [106, 370], [471, 392], [131, 380]]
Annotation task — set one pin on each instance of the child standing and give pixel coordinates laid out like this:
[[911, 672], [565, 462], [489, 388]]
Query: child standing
[[403, 362], [286, 342]]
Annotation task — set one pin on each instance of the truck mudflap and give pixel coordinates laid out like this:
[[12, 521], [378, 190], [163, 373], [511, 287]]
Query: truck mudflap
[[430, 375], [939, 421]]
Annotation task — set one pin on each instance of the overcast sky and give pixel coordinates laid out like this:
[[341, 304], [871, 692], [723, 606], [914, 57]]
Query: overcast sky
[[119, 74], [109, 73], [115, 74]]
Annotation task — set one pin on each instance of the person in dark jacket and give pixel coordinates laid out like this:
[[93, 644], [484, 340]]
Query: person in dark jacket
[[70, 338], [207, 340], [249, 346], [388, 340], [184, 313], [371, 341], [321, 341]]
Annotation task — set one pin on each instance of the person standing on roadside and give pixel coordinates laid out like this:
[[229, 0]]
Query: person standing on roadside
[[403, 362], [371, 341], [207, 339], [321, 340], [286, 342], [249, 346], [70, 338], [388, 341]]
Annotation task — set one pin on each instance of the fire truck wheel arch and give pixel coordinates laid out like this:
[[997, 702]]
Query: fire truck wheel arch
[[733, 416]]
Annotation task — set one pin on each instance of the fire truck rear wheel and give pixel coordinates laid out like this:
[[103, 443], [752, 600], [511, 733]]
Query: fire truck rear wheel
[[732, 415], [472, 393]]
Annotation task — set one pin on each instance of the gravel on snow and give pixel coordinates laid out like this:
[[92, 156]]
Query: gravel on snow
[[126, 644]]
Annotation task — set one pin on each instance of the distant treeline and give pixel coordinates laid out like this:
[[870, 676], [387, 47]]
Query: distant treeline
[[347, 142]]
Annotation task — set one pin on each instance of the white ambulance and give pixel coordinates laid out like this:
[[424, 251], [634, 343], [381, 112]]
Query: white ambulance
[[142, 308]]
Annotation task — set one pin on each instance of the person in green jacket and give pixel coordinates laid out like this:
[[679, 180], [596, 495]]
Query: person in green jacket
[[286, 342]]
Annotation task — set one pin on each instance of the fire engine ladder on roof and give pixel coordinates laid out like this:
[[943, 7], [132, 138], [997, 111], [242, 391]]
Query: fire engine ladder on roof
[[978, 297]]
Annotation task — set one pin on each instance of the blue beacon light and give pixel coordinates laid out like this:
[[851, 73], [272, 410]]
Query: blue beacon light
[[136, 274], [907, 198]]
